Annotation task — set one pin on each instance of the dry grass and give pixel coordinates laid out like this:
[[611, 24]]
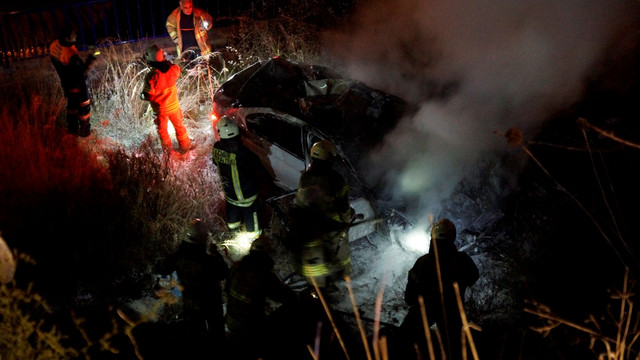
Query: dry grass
[[112, 201]]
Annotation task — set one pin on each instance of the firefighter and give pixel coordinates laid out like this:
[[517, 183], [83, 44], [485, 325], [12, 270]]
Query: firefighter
[[240, 172], [161, 91], [187, 27], [200, 272], [72, 71], [251, 282], [432, 277], [322, 216]]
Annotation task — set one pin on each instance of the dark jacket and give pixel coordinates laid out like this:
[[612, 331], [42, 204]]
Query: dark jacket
[[322, 201], [240, 171], [69, 66], [200, 274], [455, 266], [250, 284]]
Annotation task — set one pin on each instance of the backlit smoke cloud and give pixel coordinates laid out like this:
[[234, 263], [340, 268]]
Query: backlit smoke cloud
[[474, 67]]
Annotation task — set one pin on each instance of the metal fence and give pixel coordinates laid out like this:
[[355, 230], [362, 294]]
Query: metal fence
[[27, 34]]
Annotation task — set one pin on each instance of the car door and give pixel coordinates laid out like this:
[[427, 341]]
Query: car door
[[279, 144]]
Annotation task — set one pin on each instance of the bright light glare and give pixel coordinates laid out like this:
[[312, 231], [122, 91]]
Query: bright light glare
[[239, 246], [170, 128], [416, 240]]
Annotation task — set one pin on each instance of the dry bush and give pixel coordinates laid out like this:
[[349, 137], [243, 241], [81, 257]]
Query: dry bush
[[282, 36], [23, 335]]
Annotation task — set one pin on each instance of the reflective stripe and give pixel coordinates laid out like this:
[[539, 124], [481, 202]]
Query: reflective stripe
[[62, 53], [183, 137], [314, 243], [234, 225], [242, 298], [235, 178], [256, 225], [315, 270], [245, 203]]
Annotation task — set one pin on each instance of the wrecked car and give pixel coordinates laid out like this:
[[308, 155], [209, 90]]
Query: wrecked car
[[283, 107]]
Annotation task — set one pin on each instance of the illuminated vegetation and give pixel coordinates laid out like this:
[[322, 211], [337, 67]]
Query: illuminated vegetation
[[97, 213]]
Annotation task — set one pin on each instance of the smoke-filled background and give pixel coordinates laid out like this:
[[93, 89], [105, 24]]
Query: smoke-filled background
[[474, 68]]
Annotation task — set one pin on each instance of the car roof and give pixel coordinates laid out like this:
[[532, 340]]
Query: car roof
[[353, 114]]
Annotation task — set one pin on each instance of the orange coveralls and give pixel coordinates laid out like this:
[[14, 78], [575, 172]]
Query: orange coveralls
[[161, 91]]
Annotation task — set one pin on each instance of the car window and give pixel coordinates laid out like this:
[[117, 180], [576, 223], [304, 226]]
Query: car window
[[277, 131]]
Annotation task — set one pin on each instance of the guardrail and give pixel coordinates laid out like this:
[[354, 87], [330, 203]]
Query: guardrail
[[27, 34]]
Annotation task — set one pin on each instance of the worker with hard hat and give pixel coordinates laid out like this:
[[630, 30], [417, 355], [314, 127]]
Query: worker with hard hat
[[322, 216], [161, 91], [72, 71], [240, 171], [187, 27], [432, 277]]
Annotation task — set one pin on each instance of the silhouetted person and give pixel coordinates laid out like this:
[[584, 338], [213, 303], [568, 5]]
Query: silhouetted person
[[251, 282], [432, 276], [72, 71], [200, 272]]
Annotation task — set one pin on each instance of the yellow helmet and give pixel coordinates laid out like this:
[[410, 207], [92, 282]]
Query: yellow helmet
[[323, 150], [443, 229], [227, 128], [154, 53]]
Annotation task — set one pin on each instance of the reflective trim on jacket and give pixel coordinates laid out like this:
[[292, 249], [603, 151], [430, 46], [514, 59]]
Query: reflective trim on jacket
[[237, 176], [202, 37], [161, 91]]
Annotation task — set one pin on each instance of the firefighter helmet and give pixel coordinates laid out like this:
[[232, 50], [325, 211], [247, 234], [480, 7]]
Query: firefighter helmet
[[198, 232], [323, 150], [154, 53], [227, 128], [443, 229]]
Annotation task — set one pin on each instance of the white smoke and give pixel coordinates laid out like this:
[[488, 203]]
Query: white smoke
[[473, 68]]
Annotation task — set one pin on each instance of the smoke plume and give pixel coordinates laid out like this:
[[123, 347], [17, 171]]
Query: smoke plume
[[473, 68]]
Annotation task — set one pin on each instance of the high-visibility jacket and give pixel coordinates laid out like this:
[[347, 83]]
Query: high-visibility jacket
[[200, 32], [69, 66], [321, 216], [239, 169], [160, 88], [323, 191]]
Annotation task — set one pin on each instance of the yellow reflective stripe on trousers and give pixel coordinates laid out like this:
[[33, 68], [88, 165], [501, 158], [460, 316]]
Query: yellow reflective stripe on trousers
[[246, 203], [235, 177], [315, 270]]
